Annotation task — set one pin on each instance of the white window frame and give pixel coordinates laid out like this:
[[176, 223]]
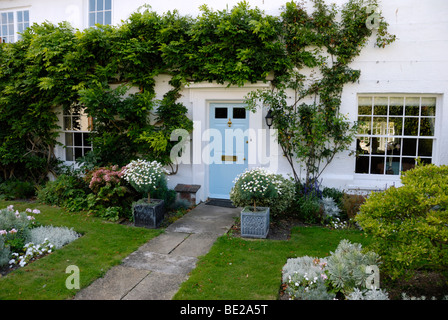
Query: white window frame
[[98, 11], [83, 147], [15, 25], [388, 137]]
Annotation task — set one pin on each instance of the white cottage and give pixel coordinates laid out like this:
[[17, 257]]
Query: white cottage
[[409, 77]]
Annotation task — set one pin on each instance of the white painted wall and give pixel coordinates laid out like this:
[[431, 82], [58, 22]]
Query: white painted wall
[[416, 63]]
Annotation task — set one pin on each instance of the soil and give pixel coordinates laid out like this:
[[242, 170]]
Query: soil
[[279, 230]]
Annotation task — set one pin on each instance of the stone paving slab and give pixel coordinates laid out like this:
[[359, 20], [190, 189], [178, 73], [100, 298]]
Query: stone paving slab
[[116, 284], [157, 286], [158, 268], [165, 243], [162, 263]]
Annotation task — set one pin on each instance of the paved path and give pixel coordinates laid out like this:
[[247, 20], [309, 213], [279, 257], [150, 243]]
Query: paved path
[[157, 269]]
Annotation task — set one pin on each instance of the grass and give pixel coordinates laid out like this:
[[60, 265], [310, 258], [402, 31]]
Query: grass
[[241, 269], [102, 245]]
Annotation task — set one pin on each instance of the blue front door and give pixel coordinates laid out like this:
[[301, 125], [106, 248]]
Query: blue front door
[[229, 146]]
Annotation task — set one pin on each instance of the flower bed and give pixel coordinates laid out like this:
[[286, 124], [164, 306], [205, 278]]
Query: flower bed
[[23, 241]]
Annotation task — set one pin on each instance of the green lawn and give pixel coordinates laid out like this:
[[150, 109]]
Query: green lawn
[[241, 269], [102, 245]]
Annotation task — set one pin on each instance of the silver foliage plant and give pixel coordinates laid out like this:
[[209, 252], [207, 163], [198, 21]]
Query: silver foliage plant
[[58, 236], [309, 278]]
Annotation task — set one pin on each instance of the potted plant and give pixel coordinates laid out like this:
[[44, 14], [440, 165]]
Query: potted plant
[[146, 177], [252, 187]]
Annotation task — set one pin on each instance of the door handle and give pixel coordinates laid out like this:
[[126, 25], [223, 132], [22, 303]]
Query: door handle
[[229, 123]]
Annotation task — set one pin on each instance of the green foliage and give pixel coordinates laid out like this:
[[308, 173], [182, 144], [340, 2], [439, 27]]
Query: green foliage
[[313, 132], [259, 187], [55, 66], [15, 189], [409, 223], [60, 191]]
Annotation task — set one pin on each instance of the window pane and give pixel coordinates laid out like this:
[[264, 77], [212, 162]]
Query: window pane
[[26, 16], [99, 17], [107, 17], [78, 139], [69, 154], [362, 165], [108, 5], [99, 5], [91, 19], [378, 145], [409, 147], [379, 126], [396, 126], [412, 106], [78, 153], [10, 17], [220, 113], [363, 145], [67, 123], [425, 147], [92, 5], [19, 16], [377, 165], [69, 139], [426, 160], [365, 105], [365, 126], [393, 166], [239, 113], [410, 126], [396, 106], [407, 164], [427, 127], [428, 107], [393, 146], [86, 140]]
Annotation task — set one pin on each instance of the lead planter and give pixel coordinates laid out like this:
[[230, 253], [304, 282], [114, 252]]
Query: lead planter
[[255, 224], [148, 215]]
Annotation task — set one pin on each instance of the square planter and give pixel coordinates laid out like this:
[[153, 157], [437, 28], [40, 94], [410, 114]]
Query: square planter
[[255, 224], [148, 215]]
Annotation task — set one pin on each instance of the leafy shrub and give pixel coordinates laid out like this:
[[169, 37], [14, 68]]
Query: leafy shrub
[[5, 251], [65, 188], [351, 204], [57, 236], [408, 224], [307, 208], [15, 189], [259, 187]]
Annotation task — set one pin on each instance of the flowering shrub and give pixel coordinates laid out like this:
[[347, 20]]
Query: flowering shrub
[[260, 187], [14, 230], [306, 279], [145, 176], [104, 176]]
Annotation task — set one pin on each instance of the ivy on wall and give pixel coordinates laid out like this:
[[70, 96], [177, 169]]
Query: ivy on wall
[[54, 66]]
